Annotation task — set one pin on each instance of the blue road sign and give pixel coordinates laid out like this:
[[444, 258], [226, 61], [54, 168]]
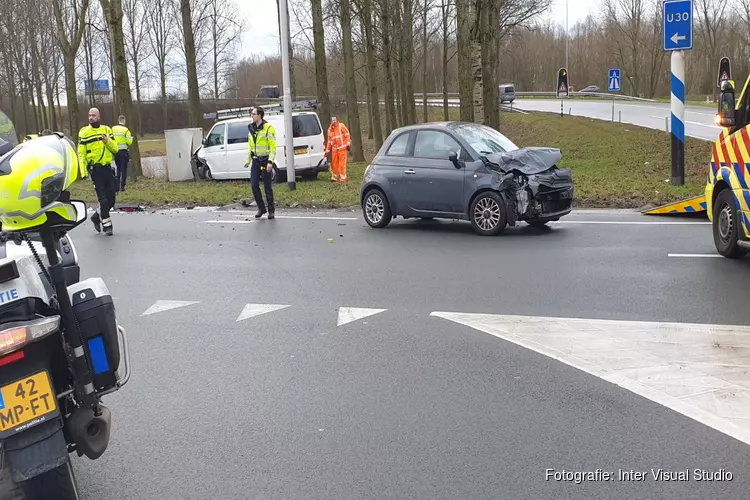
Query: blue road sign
[[99, 86], [678, 25], [614, 80]]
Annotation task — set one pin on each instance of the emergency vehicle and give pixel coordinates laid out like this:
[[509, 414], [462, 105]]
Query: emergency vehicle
[[727, 190]]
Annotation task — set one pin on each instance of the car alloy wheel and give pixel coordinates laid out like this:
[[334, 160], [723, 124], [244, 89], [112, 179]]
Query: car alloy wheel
[[374, 207], [487, 214]]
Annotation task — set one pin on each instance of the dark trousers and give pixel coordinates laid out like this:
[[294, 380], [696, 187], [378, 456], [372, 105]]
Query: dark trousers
[[121, 160], [258, 170], [104, 185]]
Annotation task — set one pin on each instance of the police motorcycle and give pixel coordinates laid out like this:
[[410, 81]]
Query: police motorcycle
[[61, 349]]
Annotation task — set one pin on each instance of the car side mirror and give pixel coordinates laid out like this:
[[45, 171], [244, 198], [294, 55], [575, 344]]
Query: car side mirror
[[725, 117], [453, 157]]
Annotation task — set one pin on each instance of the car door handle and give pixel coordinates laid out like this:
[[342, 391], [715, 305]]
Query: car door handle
[[410, 172]]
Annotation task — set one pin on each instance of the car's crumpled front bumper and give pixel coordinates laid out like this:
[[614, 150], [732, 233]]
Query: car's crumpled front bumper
[[534, 187]]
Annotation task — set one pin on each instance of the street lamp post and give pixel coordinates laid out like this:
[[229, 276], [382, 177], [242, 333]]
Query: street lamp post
[[286, 78]]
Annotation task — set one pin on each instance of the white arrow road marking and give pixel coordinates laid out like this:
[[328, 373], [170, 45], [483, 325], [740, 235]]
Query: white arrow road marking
[[252, 310], [699, 370], [166, 305], [349, 314]]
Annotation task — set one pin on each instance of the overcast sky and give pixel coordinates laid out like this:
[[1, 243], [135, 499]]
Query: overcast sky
[[262, 36]]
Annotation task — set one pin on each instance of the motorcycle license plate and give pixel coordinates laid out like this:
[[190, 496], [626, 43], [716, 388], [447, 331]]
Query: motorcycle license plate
[[26, 402]]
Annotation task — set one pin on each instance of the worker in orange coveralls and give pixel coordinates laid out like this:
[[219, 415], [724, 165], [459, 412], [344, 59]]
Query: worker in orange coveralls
[[339, 142]]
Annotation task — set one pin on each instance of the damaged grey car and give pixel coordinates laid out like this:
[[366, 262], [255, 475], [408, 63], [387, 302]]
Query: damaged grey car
[[465, 171]]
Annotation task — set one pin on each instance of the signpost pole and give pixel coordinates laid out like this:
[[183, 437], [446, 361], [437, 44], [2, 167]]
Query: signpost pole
[[678, 37], [678, 118]]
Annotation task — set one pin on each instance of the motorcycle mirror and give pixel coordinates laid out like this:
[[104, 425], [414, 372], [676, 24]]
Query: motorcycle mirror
[[81, 214]]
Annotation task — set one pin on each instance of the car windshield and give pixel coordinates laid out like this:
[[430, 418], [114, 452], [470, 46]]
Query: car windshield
[[483, 139]]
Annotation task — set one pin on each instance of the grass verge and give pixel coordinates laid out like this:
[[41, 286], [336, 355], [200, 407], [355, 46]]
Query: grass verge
[[614, 166]]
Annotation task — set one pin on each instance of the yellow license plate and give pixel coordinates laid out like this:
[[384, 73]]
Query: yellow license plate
[[26, 402], [301, 151]]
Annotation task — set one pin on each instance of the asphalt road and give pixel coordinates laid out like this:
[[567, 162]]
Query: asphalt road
[[699, 120], [402, 403]]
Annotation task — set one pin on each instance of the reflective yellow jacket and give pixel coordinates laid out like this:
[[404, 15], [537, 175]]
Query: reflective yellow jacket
[[261, 141], [92, 150], [123, 137]]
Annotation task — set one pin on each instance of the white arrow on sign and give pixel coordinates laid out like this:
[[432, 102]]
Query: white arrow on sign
[[678, 38]]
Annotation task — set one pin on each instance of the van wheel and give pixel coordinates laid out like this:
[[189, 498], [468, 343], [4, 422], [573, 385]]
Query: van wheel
[[375, 209], [726, 226], [487, 214]]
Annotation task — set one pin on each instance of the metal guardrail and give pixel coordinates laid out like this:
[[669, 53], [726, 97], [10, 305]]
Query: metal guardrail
[[455, 95]]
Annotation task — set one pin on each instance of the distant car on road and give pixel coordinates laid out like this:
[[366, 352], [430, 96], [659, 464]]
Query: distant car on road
[[507, 92], [590, 88], [467, 171]]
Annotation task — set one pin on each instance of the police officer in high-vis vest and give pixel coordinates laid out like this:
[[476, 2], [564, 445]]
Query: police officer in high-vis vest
[[123, 138], [96, 152], [261, 154]]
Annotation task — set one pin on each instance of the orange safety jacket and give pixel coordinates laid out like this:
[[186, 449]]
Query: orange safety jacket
[[338, 137]]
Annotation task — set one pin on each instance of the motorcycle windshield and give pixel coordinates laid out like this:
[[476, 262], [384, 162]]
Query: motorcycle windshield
[[8, 138]]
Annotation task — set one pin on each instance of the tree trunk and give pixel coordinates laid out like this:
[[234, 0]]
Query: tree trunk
[[477, 83], [192, 70], [164, 108], [137, 75], [113, 14], [464, 20], [355, 129], [403, 47], [391, 121], [490, 40], [424, 62], [445, 6], [372, 75], [407, 48], [321, 72], [215, 37]]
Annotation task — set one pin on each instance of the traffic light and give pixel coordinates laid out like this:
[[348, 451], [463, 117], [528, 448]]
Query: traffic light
[[562, 83]]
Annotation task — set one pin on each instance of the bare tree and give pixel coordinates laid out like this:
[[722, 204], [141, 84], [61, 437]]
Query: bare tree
[[372, 73], [321, 71], [70, 17], [192, 70], [712, 21], [138, 49], [113, 14], [225, 38], [161, 35], [352, 107]]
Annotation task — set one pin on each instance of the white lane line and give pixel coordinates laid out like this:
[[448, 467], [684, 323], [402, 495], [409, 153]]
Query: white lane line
[[314, 217], [228, 221], [694, 255], [703, 125], [637, 223], [699, 370]]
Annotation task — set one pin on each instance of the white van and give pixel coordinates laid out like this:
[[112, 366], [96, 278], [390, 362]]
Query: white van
[[224, 151]]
